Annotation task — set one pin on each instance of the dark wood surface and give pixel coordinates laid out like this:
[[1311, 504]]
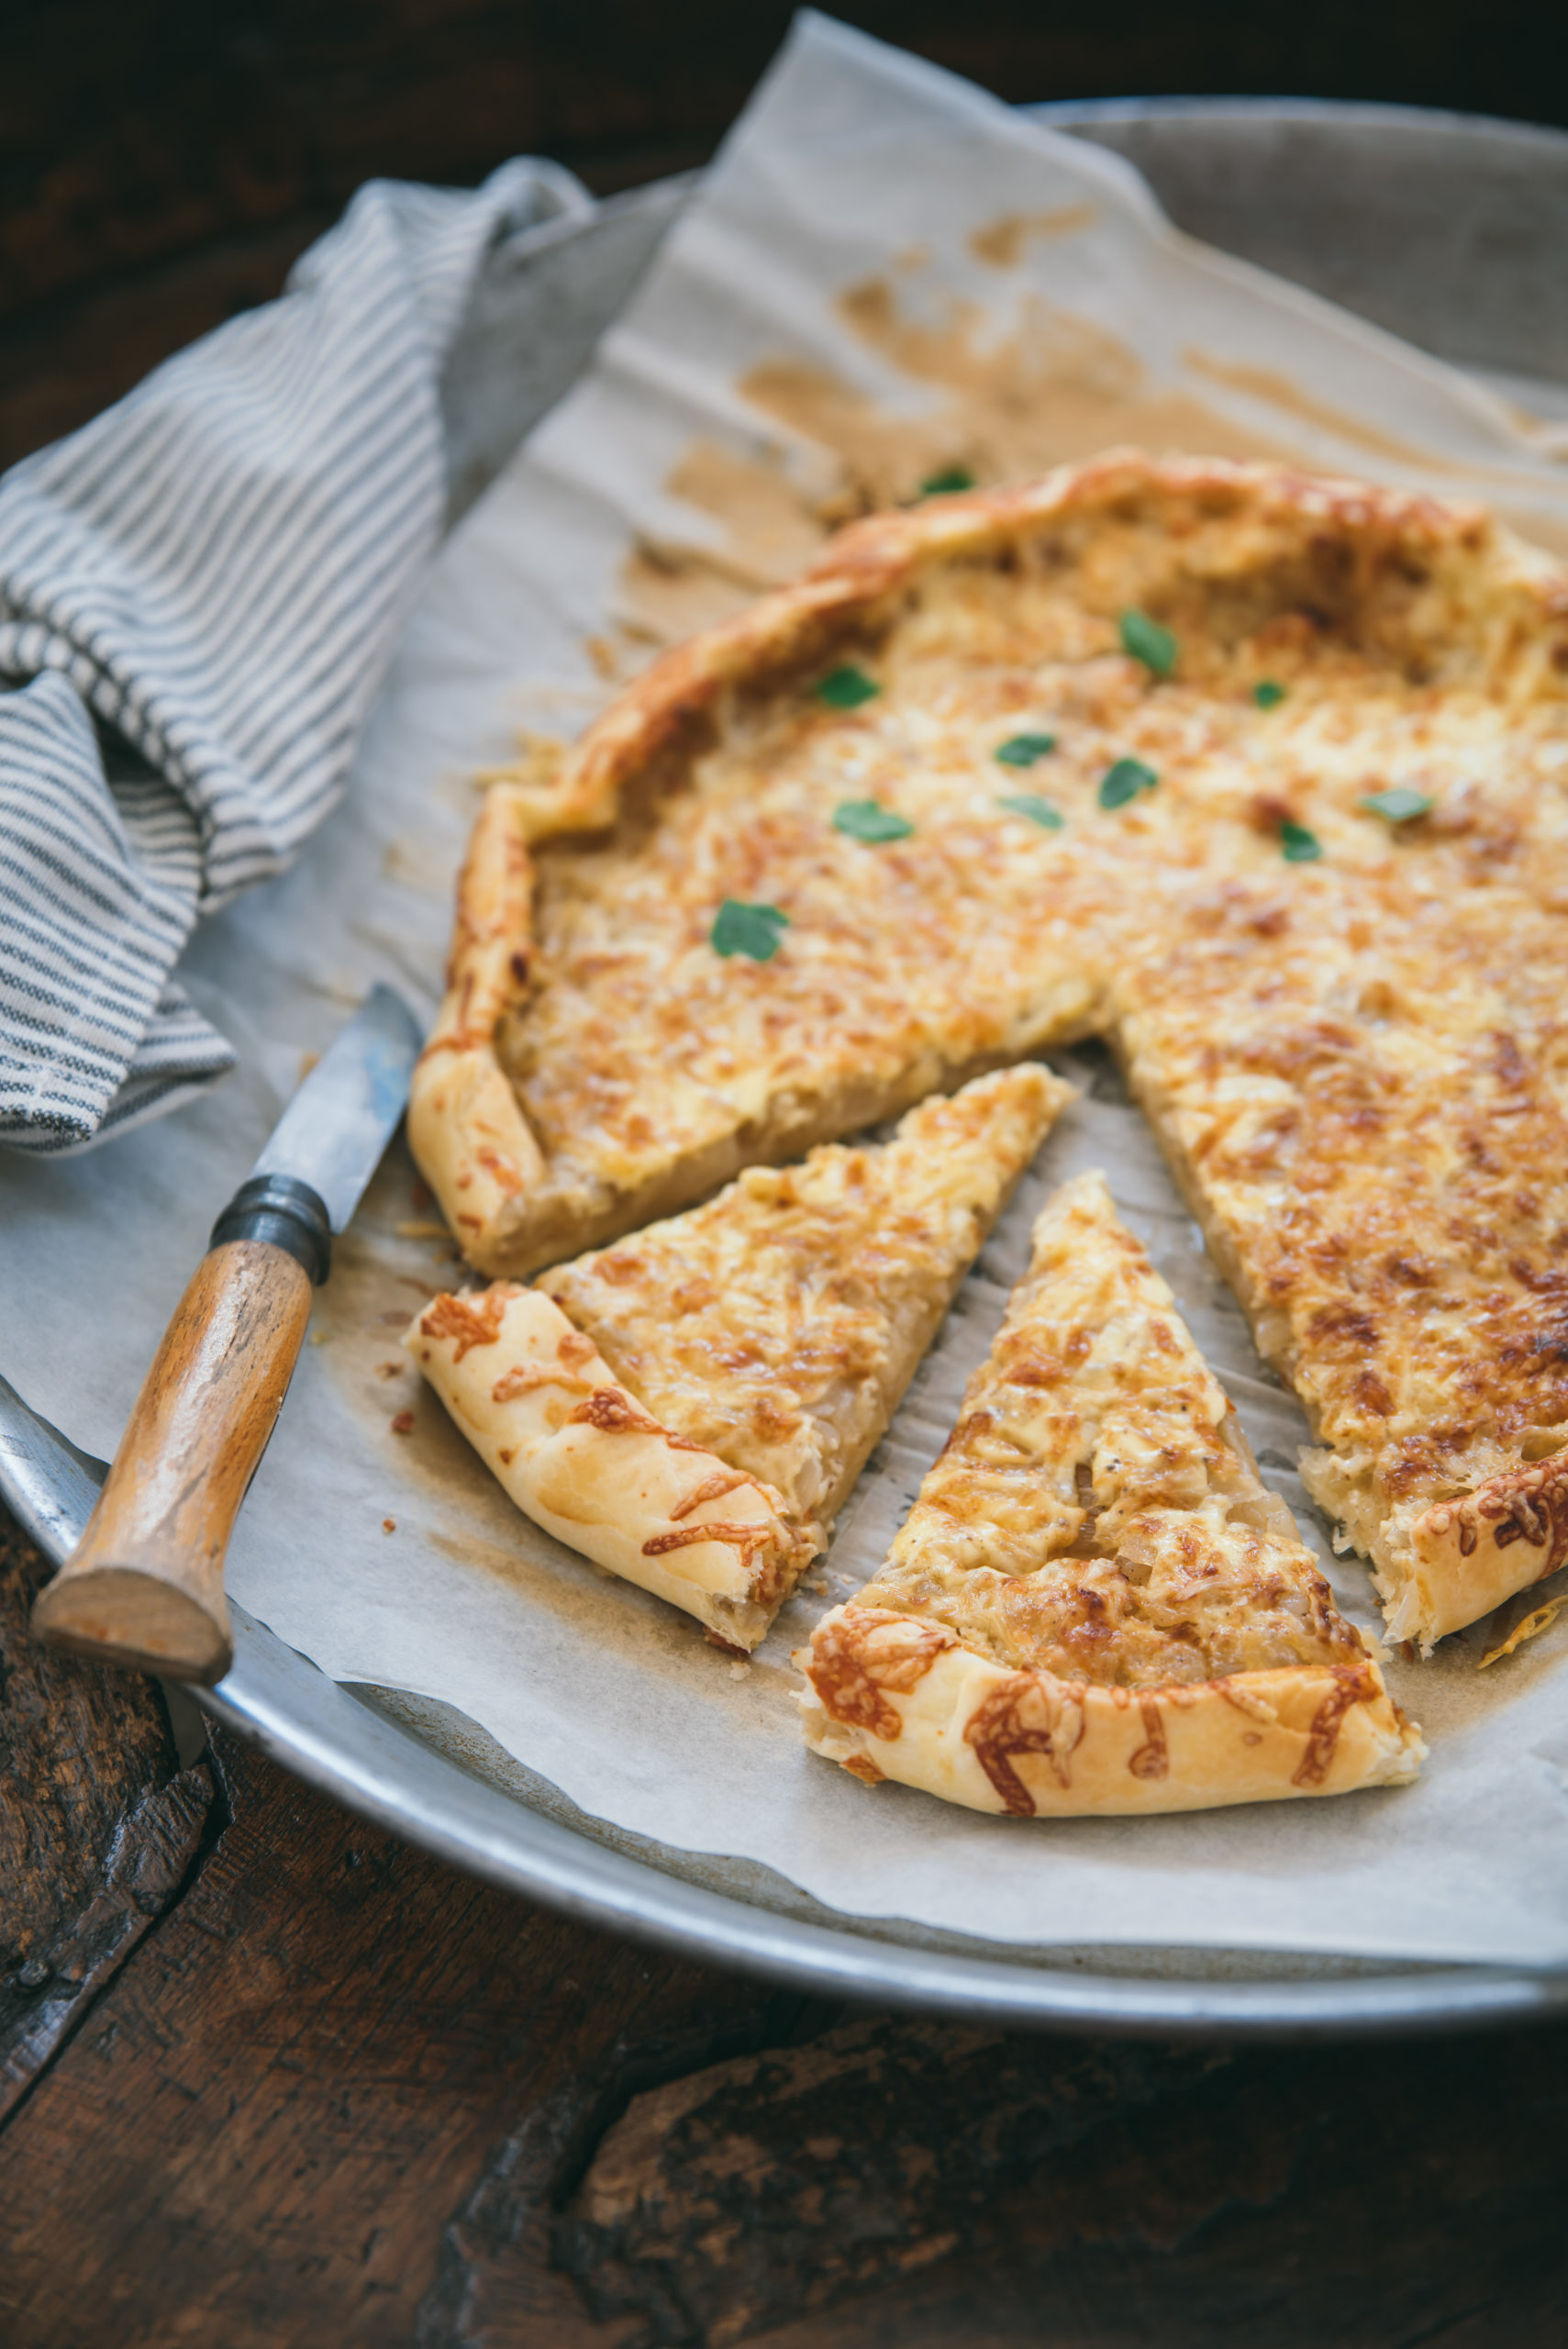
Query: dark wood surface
[[162, 162], [274, 2080], [270, 2079]]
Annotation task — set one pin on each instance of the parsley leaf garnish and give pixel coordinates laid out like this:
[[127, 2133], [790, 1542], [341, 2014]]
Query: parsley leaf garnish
[[1022, 749], [846, 688], [1268, 693], [1149, 642], [869, 820], [756, 931], [950, 478], [1297, 845], [1398, 804], [1124, 781], [1027, 803]]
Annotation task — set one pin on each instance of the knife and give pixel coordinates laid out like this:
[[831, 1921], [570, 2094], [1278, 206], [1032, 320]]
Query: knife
[[144, 1586]]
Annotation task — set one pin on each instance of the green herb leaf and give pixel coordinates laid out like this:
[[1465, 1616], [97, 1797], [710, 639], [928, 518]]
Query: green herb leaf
[[950, 478], [1124, 781], [846, 688], [1149, 642], [869, 820], [1397, 807], [1039, 811], [1268, 693], [756, 931], [1298, 845], [1022, 749]]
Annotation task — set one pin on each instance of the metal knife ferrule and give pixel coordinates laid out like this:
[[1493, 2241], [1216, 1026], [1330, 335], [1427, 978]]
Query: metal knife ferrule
[[285, 1212]]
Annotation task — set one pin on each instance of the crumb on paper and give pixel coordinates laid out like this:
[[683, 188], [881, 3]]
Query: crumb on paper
[[403, 1424], [389, 1525], [421, 1227], [390, 1369], [740, 1671], [1537, 1621], [320, 1337]]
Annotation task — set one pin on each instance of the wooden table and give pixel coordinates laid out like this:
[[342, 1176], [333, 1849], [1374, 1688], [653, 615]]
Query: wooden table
[[270, 2079]]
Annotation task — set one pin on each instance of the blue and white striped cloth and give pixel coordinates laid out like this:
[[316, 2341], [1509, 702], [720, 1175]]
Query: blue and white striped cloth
[[213, 574]]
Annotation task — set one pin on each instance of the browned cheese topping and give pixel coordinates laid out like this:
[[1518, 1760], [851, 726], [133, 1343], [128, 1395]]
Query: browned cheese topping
[[779, 1324]]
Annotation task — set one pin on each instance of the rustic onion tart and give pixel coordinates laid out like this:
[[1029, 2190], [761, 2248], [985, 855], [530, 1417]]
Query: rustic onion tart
[[1095, 1605], [691, 1409], [1263, 776]]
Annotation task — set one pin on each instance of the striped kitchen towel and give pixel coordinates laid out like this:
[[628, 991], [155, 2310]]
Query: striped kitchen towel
[[199, 593]]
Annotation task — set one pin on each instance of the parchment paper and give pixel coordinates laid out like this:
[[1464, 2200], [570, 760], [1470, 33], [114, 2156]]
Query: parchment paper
[[395, 1560]]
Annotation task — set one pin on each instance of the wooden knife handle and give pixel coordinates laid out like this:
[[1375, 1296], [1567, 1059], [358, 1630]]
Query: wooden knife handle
[[145, 1585]]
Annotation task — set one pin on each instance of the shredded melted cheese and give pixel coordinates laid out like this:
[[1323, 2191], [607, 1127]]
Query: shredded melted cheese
[[1094, 1514]]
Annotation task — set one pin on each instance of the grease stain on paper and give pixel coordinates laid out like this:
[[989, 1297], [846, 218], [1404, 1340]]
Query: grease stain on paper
[[1001, 243]]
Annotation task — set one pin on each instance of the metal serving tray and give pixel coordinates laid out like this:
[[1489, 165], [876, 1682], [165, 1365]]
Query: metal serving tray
[[1450, 231]]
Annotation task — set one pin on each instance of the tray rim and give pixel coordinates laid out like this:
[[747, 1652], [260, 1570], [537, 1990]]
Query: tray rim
[[318, 1730]]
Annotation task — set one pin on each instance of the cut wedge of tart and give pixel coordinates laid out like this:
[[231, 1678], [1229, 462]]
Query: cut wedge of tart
[[1095, 1605], [691, 1409]]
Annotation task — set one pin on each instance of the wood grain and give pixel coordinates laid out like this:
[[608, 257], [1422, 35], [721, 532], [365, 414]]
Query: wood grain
[[144, 1586], [99, 1827], [261, 2132]]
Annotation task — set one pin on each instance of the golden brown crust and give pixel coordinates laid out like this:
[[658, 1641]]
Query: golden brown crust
[[1095, 1605], [465, 1126], [1028, 1745], [579, 1455]]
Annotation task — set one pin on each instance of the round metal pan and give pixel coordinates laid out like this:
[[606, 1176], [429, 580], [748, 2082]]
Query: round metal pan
[[1449, 231]]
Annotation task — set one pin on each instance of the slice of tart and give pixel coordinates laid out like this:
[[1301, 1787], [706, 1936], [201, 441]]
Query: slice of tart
[[692, 1408], [1095, 1605]]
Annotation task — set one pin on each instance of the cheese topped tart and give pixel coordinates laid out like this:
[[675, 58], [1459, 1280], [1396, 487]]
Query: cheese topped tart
[[1095, 1605], [691, 1410], [1015, 766]]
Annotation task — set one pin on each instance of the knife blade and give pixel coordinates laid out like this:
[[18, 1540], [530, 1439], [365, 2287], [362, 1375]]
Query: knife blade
[[144, 1586]]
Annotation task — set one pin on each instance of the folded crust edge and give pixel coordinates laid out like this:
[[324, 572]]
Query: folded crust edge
[[900, 1697]]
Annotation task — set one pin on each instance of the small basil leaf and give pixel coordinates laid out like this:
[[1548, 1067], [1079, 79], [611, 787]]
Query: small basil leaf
[[846, 688], [1149, 642], [1022, 749], [1039, 811], [1297, 845], [1124, 781], [1268, 693], [951, 477], [1398, 804], [748, 930], [869, 820]]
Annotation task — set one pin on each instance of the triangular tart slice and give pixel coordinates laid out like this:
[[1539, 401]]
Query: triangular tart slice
[[692, 1408], [1095, 1605]]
